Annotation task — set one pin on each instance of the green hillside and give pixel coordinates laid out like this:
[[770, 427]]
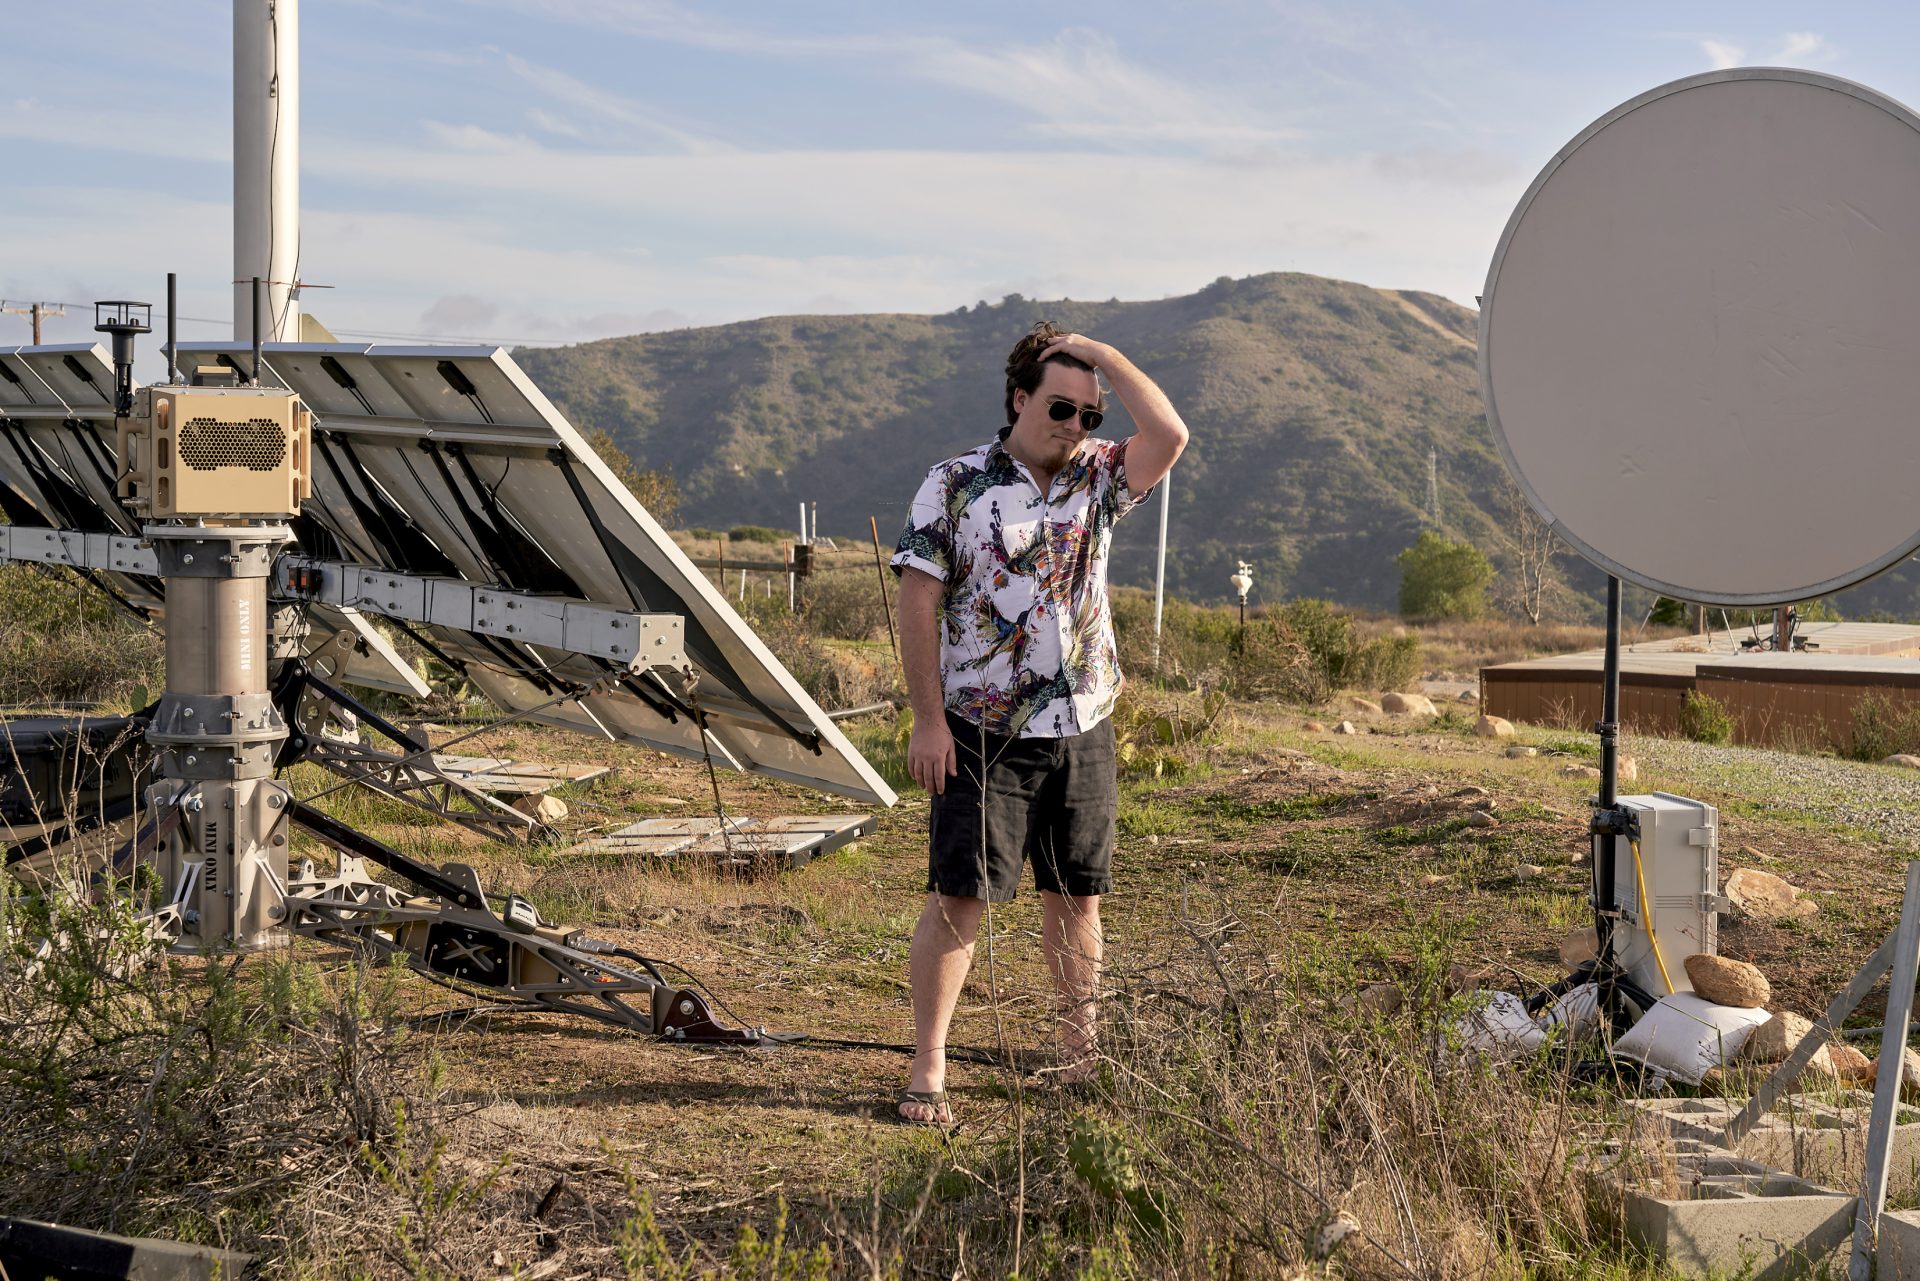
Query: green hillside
[[1313, 405]]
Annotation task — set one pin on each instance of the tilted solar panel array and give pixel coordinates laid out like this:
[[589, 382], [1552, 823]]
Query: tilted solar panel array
[[449, 462]]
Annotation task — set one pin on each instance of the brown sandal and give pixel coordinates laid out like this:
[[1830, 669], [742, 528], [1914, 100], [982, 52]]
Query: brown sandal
[[935, 1099]]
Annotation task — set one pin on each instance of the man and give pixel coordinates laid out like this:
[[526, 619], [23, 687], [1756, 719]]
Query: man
[[1011, 668]]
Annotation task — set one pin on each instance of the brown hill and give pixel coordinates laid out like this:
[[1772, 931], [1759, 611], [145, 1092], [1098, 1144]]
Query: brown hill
[[1313, 405]]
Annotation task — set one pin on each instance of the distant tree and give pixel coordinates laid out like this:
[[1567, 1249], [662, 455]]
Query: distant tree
[[1440, 578], [1530, 547], [655, 489], [1668, 612]]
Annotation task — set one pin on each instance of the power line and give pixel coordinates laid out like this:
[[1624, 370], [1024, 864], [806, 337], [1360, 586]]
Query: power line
[[478, 339]]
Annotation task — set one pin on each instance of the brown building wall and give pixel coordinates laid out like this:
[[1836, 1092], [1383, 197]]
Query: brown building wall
[[1571, 699], [1806, 716]]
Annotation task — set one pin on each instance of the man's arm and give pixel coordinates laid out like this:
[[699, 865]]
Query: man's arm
[[1157, 445], [930, 756]]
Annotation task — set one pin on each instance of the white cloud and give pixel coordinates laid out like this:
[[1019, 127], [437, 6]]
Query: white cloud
[[1077, 85], [638, 123], [1723, 55], [1800, 46]]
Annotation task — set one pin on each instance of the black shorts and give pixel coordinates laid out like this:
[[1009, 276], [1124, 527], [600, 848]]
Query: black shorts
[[1053, 800]]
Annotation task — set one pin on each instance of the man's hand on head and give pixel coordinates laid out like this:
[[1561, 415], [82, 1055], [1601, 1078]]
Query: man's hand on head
[[1081, 348], [930, 757]]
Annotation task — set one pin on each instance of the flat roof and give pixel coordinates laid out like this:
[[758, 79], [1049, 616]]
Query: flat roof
[[1883, 649]]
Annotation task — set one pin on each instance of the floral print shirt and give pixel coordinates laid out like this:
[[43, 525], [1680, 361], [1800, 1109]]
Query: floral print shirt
[[1026, 634]]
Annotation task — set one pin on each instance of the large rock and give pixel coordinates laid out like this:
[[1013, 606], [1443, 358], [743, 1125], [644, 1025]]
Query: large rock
[[1493, 727], [1577, 770], [1365, 706], [1728, 982], [1762, 896], [1909, 1077], [1315, 727], [1379, 1000], [1409, 705], [1849, 1064], [1773, 1040], [1518, 751], [1345, 727], [1903, 759], [1579, 947], [541, 807], [1480, 818]]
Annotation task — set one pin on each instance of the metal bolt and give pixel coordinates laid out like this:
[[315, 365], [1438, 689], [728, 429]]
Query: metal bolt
[[275, 912], [275, 802], [191, 759], [686, 1007], [186, 713], [187, 559]]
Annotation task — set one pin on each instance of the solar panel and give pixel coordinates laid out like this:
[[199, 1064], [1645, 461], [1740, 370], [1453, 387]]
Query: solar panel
[[57, 472], [443, 463]]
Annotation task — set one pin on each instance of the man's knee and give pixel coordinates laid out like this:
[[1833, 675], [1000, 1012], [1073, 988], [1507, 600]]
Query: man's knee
[[952, 918], [1071, 907]]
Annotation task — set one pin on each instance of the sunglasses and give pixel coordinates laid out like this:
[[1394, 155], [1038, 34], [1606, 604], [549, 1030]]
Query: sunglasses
[[1061, 410]]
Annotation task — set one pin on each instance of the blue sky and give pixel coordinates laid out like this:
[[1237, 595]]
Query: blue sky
[[556, 170]]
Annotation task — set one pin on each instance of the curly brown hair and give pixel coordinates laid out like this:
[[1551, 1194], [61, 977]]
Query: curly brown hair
[[1025, 369]]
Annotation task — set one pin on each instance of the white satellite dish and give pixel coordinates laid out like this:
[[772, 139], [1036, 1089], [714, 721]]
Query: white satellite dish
[[1698, 341]]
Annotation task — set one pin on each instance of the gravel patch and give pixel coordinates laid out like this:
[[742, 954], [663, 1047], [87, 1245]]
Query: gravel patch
[[1881, 799]]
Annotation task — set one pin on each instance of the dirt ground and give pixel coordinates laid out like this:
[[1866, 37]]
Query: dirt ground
[[1364, 848]]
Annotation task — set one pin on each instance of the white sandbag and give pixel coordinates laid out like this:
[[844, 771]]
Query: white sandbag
[[1682, 1036], [1501, 1027], [1577, 1011]]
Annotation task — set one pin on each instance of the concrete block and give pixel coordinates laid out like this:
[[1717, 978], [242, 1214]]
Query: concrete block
[[1709, 1211], [1820, 1137], [1898, 1258]]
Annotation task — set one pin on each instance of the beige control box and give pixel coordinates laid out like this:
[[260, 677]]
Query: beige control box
[[215, 451]]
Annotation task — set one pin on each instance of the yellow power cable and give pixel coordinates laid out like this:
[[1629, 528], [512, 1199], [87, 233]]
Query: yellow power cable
[[1646, 915]]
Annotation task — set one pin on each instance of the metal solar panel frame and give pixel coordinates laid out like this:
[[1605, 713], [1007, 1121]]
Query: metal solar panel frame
[[57, 463], [57, 457], [441, 463]]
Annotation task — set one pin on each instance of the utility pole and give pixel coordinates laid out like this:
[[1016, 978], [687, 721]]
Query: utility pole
[[37, 310]]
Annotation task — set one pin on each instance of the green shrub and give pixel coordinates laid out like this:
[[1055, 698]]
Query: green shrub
[[845, 603], [64, 641], [1882, 727], [1196, 641], [758, 534], [1306, 649], [1704, 719], [1440, 578]]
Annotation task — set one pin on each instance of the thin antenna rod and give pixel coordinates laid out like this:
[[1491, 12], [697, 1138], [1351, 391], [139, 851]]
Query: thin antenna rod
[[173, 337], [258, 339]]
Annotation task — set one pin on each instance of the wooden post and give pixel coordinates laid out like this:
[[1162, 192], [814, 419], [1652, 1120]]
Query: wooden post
[[887, 605]]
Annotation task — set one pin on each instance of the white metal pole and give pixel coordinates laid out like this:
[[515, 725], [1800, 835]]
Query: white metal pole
[[266, 164], [1160, 568], [1886, 1086]]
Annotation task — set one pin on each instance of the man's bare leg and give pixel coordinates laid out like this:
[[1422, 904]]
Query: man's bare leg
[[1070, 928], [942, 953]]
